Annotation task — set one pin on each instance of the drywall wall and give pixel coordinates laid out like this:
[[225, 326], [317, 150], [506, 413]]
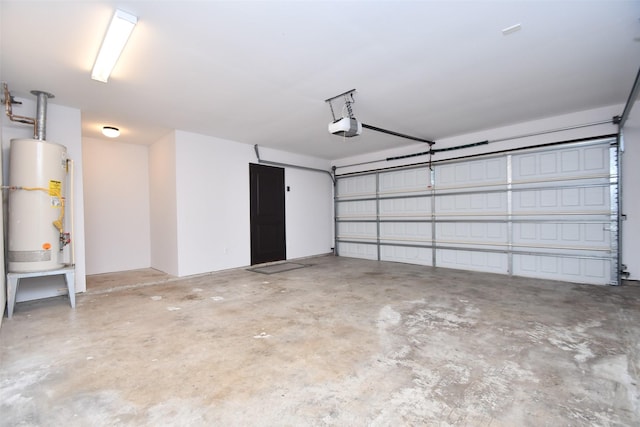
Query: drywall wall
[[163, 205], [63, 127], [631, 158], [213, 203], [116, 200], [309, 217]]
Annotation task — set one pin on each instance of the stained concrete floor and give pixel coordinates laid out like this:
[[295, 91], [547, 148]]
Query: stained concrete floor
[[341, 342]]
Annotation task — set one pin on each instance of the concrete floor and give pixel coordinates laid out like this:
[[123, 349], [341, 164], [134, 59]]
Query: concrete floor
[[341, 342]]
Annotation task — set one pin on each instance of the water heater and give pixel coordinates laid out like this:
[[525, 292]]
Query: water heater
[[37, 181]]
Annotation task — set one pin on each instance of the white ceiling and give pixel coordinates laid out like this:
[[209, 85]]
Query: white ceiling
[[259, 72]]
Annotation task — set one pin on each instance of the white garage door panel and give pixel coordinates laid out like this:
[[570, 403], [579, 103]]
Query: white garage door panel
[[472, 233], [357, 209], [357, 231], [577, 236], [590, 200], [561, 163], [357, 250], [421, 256], [477, 181], [357, 186], [480, 172], [405, 232], [461, 205], [354, 187], [476, 261], [410, 183], [547, 212], [591, 271], [405, 181], [413, 207]]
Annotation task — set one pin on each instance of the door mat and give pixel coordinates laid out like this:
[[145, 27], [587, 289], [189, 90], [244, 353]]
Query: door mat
[[277, 268]]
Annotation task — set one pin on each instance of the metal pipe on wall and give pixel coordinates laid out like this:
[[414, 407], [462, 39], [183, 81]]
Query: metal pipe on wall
[[41, 114], [8, 100]]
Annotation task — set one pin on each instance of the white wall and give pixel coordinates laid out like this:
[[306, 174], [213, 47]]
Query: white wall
[[116, 199], [631, 194], [63, 127], [213, 203], [631, 158], [309, 213], [163, 205]]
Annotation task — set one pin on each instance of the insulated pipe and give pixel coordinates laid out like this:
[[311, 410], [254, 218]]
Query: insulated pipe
[[41, 114]]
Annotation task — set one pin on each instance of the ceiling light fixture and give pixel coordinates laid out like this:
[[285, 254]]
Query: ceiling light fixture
[[114, 41], [110, 131]]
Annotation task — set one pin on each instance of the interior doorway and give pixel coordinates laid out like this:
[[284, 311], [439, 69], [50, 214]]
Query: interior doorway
[[268, 240]]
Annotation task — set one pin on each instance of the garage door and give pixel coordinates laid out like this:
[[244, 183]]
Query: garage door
[[548, 212]]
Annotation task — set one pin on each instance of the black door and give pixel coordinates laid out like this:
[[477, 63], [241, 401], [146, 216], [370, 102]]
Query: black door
[[267, 214]]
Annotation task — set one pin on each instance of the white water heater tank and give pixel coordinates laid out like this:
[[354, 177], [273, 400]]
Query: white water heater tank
[[37, 177]]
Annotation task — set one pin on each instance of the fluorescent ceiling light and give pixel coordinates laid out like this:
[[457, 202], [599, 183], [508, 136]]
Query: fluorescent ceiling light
[[117, 35], [110, 131]]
